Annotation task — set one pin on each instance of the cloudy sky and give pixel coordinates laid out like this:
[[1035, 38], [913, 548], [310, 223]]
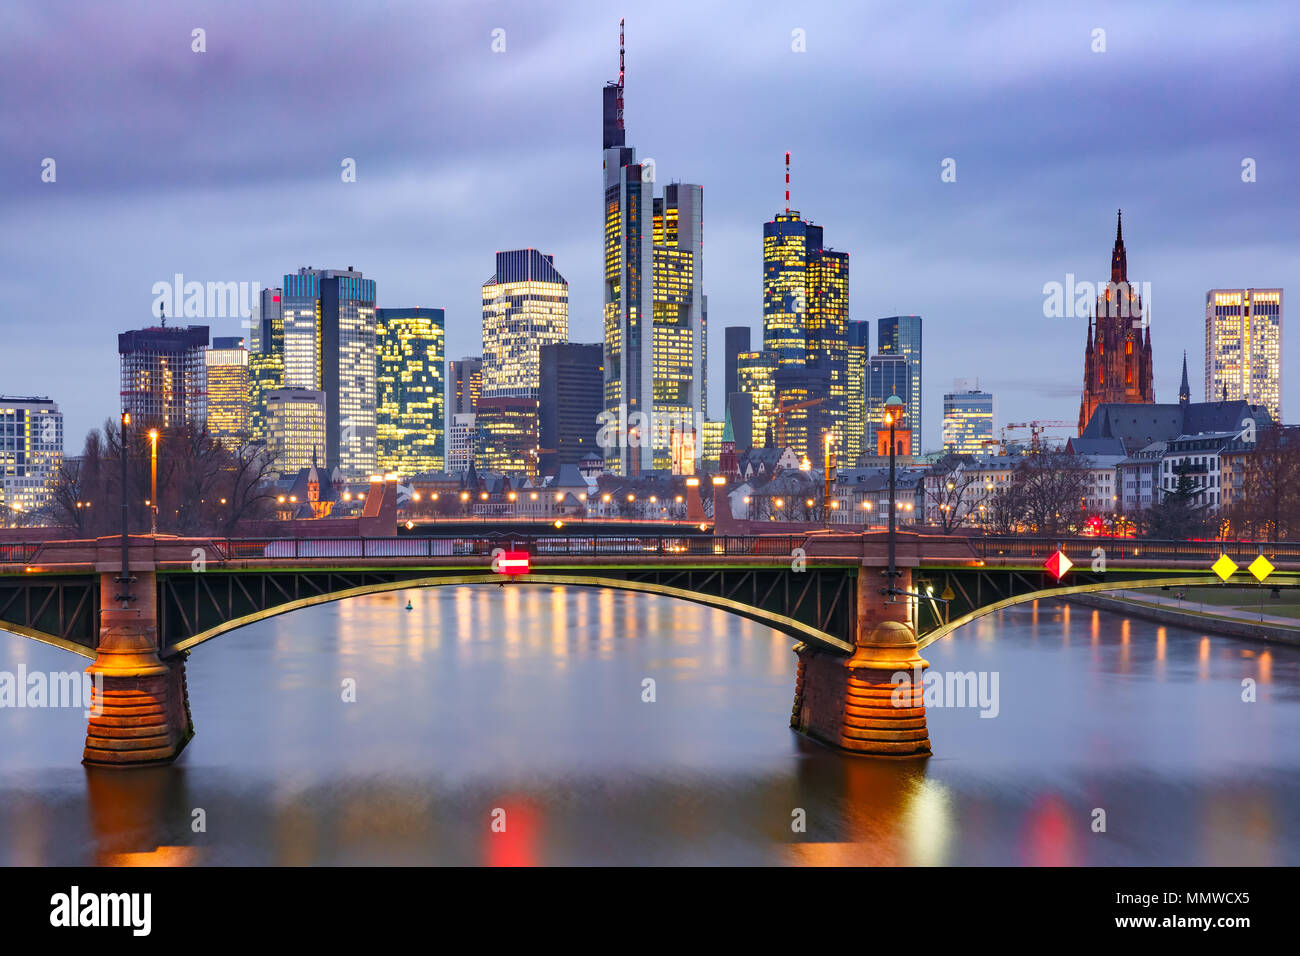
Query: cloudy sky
[[225, 165]]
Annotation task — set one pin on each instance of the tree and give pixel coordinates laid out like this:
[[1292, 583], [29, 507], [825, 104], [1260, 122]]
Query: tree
[[1178, 515], [1269, 504], [948, 494], [1050, 488]]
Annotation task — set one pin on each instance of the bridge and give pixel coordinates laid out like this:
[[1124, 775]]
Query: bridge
[[829, 591]]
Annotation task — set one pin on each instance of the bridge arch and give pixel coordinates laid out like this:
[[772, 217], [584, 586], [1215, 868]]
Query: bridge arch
[[779, 622], [944, 630]]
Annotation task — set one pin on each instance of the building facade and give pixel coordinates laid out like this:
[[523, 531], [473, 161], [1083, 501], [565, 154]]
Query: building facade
[[756, 377], [736, 340], [1117, 358], [31, 452], [164, 377], [228, 391], [296, 435], [571, 399], [901, 335], [888, 375], [464, 385], [967, 419], [525, 306], [506, 439], [410, 390], [461, 434], [1243, 347], [855, 431]]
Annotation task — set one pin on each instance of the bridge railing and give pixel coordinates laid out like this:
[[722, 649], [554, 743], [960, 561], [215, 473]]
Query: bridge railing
[[18, 552], [1081, 549], [439, 546]]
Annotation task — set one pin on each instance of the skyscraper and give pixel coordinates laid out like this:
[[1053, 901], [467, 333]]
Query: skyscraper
[[265, 360], [461, 434], [805, 322], [31, 451], [164, 378], [525, 306], [329, 344], [295, 428], [654, 307], [1243, 347], [901, 335], [756, 377], [967, 419], [228, 391], [572, 396], [464, 384], [1117, 360], [506, 435], [411, 393], [855, 431], [737, 340]]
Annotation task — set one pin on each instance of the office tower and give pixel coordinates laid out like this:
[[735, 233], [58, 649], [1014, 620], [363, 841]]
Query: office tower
[[737, 341], [1243, 347], [265, 360], [31, 451], [164, 378], [329, 344], [800, 419], [228, 391], [855, 432], [464, 385], [967, 419], [756, 377], [295, 428], [901, 335], [460, 443], [654, 307], [410, 345], [711, 439], [525, 306], [887, 375], [506, 439], [572, 397], [805, 321], [1117, 360]]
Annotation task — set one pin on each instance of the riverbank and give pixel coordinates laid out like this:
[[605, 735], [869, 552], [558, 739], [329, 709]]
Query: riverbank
[[1230, 622]]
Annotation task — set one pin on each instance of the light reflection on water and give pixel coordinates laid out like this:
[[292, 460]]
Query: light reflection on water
[[528, 699]]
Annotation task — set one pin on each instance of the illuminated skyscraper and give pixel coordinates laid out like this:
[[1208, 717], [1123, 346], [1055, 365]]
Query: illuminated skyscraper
[[265, 360], [411, 394], [31, 451], [525, 306], [654, 307], [228, 391], [329, 345], [295, 428], [855, 430], [164, 378], [805, 322], [1243, 347], [464, 384], [967, 419], [506, 439], [887, 375], [756, 377], [901, 335]]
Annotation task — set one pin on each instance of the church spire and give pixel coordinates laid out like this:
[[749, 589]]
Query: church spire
[[1118, 260], [1184, 390]]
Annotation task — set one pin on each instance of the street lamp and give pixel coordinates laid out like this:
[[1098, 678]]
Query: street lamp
[[893, 412], [125, 578], [153, 481]]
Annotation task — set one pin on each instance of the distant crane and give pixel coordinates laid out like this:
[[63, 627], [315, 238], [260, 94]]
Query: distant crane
[[1036, 429]]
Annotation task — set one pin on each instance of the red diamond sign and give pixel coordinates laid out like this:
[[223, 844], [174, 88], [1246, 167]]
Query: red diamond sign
[[1058, 564]]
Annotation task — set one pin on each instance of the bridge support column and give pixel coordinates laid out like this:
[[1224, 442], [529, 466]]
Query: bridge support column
[[142, 714], [871, 702]]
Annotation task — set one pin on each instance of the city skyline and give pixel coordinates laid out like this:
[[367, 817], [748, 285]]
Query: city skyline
[[1040, 200]]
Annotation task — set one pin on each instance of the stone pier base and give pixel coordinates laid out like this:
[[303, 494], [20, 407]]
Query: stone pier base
[[856, 704], [142, 714]]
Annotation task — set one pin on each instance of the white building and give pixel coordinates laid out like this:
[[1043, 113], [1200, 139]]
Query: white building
[[1243, 347], [31, 451], [460, 443]]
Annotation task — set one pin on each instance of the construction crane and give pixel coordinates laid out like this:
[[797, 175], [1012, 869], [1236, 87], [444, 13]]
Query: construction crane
[[1036, 429]]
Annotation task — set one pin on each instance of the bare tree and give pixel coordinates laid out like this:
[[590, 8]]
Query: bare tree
[[1050, 488]]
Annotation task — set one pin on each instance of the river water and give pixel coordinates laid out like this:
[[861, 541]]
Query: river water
[[526, 709]]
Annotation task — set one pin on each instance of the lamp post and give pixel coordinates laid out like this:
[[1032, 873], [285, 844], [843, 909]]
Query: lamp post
[[153, 481], [893, 412], [125, 578], [828, 464]]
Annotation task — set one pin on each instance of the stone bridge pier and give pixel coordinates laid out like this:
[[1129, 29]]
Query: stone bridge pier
[[870, 702], [141, 716]]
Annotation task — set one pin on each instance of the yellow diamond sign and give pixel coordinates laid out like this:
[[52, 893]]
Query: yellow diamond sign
[[1261, 567], [1224, 567]]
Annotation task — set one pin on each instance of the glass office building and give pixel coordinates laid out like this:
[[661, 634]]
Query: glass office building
[[410, 391], [1243, 347], [968, 420], [901, 335], [525, 306]]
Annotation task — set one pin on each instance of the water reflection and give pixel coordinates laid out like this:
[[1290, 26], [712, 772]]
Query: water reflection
[[524, 706]]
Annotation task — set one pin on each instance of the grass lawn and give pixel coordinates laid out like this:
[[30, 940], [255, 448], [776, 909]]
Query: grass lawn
[[1236, 598]]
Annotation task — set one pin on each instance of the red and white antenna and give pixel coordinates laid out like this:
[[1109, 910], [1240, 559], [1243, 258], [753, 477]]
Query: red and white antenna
[[787, 182], [618, 105]]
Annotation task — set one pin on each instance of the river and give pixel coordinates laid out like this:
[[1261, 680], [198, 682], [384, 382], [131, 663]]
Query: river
[[527, 709]]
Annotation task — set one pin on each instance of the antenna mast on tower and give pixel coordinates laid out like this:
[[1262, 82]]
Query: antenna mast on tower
[[619, 100], [787, 182]]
